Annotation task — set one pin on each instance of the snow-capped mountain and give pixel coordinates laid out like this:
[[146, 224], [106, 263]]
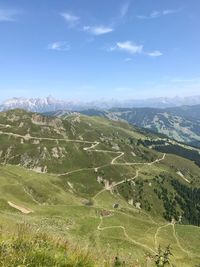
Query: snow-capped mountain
[[38, 104], [49, 104]]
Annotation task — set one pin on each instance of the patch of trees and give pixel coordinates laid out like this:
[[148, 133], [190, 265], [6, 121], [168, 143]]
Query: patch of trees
[[184, 202], [188, 199], [169, 203], [148, 143], [180, 151]]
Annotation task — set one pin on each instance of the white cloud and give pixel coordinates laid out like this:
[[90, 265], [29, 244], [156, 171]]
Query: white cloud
[[157, 14], [170, 11], [8, 15], [133, 48], [59, 46], [129, 47], [97, 30], [155, 54], [72, 20]]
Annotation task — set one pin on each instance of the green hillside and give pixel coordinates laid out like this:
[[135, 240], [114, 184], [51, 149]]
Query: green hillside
[[87, 190], [178, 123]]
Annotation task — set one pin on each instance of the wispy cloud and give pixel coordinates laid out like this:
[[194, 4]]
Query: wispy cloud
[[8, 15], [122, 14], [133, 49], [155, 54], [170, 11], [59, 46], [124, 9], [156, 14], [129, 47], [128, 59], [97, 30], [71, 19], [182, 80]]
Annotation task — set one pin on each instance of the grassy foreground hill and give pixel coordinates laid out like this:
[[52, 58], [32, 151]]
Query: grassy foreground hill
[[81, 191]]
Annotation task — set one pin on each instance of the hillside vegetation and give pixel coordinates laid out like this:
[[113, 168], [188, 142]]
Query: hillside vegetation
[[178, 123], [87, 182]]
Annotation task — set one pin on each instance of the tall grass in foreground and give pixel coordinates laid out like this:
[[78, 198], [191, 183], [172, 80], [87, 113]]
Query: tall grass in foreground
[[27, 249], [24, 246]]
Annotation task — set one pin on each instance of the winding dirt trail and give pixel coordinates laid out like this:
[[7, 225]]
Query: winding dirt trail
[[189, 254], [172, 224], [94, 144], [139, 163], [113, 161], [178, 242], [157, 233], [112, 186], [29, 137], [99, 228]]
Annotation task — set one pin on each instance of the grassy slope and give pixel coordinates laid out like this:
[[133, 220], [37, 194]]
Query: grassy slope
[[68, 217], [59, 202]]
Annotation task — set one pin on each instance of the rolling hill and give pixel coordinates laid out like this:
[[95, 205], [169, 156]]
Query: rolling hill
[[95, 183], [179, 123]]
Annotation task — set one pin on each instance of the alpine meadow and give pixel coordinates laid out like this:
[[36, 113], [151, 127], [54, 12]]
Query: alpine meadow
[[99, 133]]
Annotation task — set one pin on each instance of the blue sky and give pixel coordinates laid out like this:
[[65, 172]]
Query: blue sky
[[91, 49]]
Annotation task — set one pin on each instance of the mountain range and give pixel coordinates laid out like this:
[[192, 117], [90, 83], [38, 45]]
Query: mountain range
[[177, 122], [51, 104]]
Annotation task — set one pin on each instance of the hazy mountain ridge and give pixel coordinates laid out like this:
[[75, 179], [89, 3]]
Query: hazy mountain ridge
[[49, 104]]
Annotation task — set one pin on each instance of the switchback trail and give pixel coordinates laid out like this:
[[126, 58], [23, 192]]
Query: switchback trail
[[113, 161], [157, 233], [99, 228], [113, 185], [93, 144], [172, 224], [190, 254], [90, 148]]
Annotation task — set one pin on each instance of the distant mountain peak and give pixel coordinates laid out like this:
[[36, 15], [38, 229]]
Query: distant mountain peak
[[49, 103]]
